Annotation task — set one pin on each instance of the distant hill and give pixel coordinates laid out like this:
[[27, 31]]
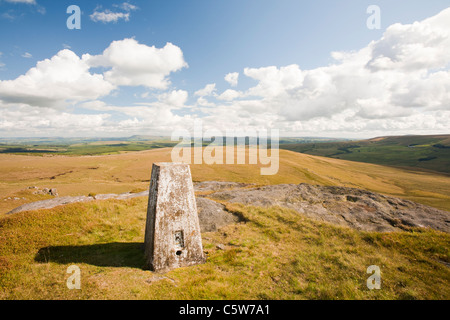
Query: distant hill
[[430, 152], [103, 146]]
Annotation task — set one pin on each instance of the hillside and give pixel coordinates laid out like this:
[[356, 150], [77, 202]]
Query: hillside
[[107, 146], [84, 175], [270, 252], [355, 208], [274, 254], [421, 152]]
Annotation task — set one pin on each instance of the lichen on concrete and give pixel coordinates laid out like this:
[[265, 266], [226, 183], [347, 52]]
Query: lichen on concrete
[[172, 235]]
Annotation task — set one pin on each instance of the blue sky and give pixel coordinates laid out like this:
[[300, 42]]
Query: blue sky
[[216, 38]]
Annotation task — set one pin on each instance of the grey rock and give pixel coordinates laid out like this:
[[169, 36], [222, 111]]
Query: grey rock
[[51, 203], [218, 185], [212, 215], [105, 196], [50, 191], [356, 208], [124, 196]]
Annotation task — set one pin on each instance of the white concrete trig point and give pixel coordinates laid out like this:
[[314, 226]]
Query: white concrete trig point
[[172, 233]]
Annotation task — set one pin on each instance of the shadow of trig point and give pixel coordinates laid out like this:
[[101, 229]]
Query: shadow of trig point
[[172, 233]]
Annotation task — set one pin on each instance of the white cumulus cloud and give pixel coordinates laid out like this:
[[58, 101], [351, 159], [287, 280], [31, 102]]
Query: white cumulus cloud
[[400, 82], [64, 77], [232, 78], [208, 90], [127, 6], [22, 1], [135, 64], [229, 95], [174, 98], [109, 16]]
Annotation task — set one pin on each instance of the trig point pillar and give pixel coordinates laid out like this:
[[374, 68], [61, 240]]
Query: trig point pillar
[[172, 233]]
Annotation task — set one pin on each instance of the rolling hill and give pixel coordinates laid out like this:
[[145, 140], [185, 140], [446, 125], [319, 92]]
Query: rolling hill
[[422, 152], [81, 175], [274, 253]]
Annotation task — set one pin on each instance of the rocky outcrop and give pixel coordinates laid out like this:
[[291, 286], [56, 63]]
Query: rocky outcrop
[[58, 201], [50, 191], [218, 185], [356, 208], [49, 204], [212, 215]]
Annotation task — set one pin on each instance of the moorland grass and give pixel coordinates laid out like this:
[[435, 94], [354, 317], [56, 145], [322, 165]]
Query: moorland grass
[[274, 254], [81, 175]]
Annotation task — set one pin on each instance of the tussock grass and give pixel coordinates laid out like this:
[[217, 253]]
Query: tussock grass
[[275, 254]]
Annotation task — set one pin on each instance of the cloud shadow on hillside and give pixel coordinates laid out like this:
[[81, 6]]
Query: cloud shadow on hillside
[[115, 254]]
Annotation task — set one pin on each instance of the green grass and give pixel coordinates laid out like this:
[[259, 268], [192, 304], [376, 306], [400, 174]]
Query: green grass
[[98, 146], [422, 152], [85, 148], [275, 254]]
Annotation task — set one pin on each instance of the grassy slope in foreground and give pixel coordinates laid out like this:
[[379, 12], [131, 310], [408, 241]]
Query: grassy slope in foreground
[[422, 152], [276, 254], [131, 171]]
